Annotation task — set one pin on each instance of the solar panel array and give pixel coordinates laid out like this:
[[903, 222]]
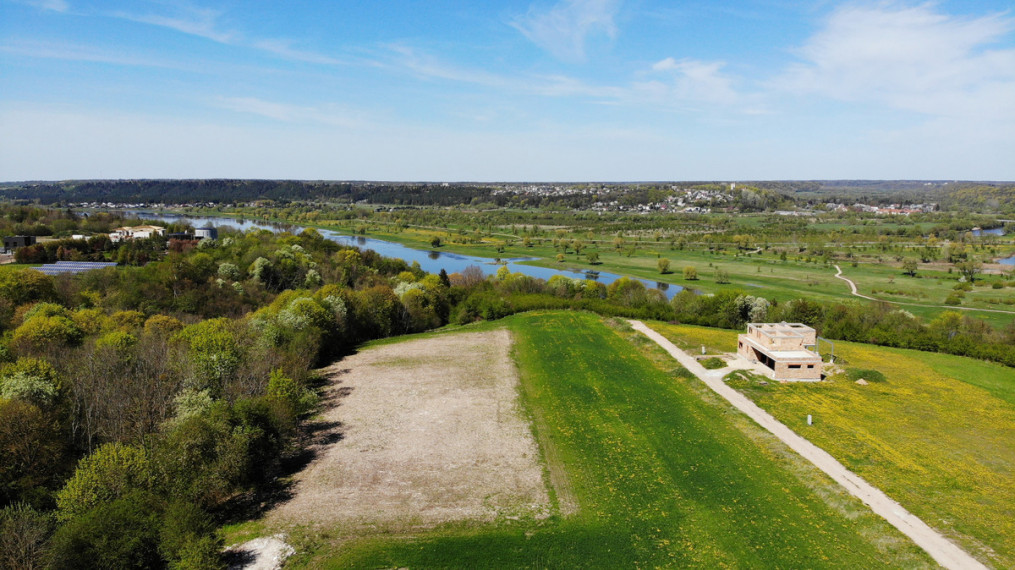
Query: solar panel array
[[74, 266]]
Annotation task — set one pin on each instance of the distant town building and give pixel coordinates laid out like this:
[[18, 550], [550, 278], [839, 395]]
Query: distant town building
[[207, 232], [14, 242], [136, 232], [784, 348]]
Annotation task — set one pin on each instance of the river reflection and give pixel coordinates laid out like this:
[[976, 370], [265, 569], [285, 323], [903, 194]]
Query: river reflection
[[429, 260]]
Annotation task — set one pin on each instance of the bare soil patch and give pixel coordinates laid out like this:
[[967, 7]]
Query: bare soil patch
[[429, 431]]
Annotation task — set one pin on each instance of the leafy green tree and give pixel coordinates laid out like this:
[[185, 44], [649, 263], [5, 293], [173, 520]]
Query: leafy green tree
[[114, 470], [690, 273], [663, 265], [722, 276], [121, 533], [214, 351], [969, 269], [592, 257], [42, 332], [909, 267], [187, 538], [32, 453], [21, 286]]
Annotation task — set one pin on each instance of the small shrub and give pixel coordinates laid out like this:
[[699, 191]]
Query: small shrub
[[866, 374], [713, 363]]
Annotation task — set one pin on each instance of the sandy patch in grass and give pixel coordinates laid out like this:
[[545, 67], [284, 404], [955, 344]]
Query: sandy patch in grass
[[430, 432]]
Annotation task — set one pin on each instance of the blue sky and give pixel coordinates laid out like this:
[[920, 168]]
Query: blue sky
[[575, 90]]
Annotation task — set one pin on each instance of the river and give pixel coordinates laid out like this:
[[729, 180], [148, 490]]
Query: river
[[430, 261]]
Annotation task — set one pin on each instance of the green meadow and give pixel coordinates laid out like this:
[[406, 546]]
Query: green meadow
[[933, 431], [645, 469]]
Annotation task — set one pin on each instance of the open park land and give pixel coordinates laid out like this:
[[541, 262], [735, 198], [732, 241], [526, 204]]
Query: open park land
[[636, 464], [430, 432]]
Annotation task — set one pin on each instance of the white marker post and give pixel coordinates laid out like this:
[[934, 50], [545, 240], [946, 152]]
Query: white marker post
[[809, 422]]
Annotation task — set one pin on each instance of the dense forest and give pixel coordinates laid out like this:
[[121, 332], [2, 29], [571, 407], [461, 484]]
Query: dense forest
[[144, 405], [988, 198]]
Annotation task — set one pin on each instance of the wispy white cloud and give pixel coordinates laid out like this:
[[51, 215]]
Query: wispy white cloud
[[428, 66], [200, 22], [290, 113], [285, 50], [913, 58], [78, 52], [693, 81], [564, 29], [52, 5], [685, 83], [206, 23]]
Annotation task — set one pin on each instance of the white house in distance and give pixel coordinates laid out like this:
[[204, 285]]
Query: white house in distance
[[136, 232], [785, 348]]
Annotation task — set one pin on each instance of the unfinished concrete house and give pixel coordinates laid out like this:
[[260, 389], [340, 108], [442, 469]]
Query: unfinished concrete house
[[787, 349]]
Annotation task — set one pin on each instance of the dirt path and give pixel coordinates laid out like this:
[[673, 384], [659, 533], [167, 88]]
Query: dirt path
[[852, 287], [942, 550], [430, 432]]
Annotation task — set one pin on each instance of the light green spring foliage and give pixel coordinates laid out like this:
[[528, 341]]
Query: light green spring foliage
[[162, 324], [27, 387], [313, 279], [259, 268], [46, 310], [119, 341], [283, 388], [112, 471], [305, 312], [25, 285], [753, 309], [191, 402], [229, 271], [214, 350], [41, 331], [125, 320], [90, 321], [404, 287]]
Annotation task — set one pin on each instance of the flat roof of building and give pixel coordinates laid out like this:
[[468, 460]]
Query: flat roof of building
[[782, 355]]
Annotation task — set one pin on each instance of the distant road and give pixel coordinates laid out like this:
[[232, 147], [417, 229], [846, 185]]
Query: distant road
[[942, 550]]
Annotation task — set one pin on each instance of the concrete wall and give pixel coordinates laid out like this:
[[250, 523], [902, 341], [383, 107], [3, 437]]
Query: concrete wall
[[784, 371]]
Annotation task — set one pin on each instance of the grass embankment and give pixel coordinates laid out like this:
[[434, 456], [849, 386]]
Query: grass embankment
[[660, 476], [936, 435]]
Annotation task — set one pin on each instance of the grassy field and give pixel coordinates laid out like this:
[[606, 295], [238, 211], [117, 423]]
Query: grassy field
[[761, 273], [937, 435], [661, 475]]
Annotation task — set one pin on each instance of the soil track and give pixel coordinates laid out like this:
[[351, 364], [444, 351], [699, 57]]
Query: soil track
[[430, 431]]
